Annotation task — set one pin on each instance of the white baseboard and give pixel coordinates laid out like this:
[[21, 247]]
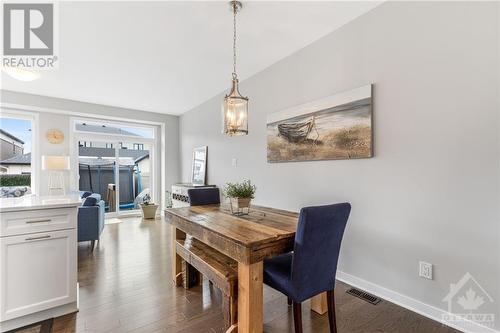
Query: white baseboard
[[412, 304]]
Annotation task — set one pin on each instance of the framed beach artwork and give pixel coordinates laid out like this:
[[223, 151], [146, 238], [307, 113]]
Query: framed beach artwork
[[333, 128]]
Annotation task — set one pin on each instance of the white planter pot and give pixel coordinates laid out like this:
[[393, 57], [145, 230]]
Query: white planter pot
[[149, 211]]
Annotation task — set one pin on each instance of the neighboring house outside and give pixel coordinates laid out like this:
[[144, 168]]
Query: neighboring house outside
[[10, 145], [16, 165]]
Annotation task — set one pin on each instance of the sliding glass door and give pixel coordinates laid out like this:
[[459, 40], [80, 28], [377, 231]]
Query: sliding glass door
[[118, 163], [135, 174], [96, 170]]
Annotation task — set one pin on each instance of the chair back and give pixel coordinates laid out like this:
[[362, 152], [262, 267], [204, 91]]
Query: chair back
[[204, 196], [317, 246]]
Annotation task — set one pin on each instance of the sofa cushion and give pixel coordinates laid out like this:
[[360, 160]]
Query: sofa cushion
[[90, 201], [96, 195], [84, 194]]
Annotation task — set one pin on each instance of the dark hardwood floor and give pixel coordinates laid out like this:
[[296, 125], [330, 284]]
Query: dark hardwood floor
[[125, 286]]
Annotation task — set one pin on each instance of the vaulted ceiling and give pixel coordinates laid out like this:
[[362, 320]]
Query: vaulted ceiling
[[168, 57]]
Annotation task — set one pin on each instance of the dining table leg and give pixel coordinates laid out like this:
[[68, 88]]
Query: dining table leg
[[319, 303], [250, 297], [176, 259]]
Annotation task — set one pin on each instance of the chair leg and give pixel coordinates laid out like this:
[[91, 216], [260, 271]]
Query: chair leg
[[92, 245], [331, 311], [289, 300], [297, 317]]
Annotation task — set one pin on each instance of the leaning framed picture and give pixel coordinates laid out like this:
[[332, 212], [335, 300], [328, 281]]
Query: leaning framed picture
[[333, 128], [199, 170]]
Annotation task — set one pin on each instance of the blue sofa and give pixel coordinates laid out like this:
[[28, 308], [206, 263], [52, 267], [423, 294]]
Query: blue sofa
[[90, 218]]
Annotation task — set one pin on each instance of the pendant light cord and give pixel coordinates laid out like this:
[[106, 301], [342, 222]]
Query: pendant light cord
[[235, 9]]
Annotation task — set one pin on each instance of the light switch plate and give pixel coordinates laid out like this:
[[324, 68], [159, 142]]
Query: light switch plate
[[234, 162], [425, 270]]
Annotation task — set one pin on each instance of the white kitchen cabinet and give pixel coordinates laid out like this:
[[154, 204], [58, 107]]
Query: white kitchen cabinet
[[38, 272], [31, 221], [38, 259]]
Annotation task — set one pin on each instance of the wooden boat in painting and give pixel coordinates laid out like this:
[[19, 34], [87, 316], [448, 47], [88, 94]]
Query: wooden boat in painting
[[296, 132]]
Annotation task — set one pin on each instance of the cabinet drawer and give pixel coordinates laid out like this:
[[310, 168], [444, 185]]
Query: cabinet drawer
[[37, 272], [31, 221]]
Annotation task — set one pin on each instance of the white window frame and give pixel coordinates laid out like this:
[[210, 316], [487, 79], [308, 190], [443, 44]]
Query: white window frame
[[115, 139], [35, 146]]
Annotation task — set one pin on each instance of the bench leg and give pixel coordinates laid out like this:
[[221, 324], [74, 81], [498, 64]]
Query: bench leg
[[199, 278], [176, 259], [230, 311], [190, 275]]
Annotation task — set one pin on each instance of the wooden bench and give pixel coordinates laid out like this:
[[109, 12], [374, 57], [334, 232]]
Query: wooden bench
[[221, 270]]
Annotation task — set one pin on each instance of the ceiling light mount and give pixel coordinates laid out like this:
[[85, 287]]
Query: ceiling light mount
[[235, 6]]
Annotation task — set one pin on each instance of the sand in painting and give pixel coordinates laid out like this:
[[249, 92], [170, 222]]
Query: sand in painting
[[342, 132]]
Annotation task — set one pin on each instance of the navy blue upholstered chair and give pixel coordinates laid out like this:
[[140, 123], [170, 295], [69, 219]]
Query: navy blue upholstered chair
[[204, 196], [310, 269], [91, 218]]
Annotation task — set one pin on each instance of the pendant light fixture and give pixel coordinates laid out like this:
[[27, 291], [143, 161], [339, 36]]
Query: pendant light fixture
[[235, 106]]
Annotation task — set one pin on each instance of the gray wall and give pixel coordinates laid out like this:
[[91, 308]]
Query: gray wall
[[431, 191], [61, 121]]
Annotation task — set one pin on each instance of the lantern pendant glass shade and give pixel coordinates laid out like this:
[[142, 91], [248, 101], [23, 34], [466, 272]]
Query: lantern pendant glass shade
[[235, 112]]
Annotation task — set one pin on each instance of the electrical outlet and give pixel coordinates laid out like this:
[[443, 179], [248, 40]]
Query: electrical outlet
[[234, 162], [425, 270]]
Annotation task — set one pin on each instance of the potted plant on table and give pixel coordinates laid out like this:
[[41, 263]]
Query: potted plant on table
[[148, 208], [240, 195]]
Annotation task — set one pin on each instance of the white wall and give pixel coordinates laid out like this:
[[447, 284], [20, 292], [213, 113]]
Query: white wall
[[48, 121], [432, 190], [70, 108]]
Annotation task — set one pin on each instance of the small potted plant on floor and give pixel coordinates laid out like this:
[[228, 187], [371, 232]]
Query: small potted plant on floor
[[148, 208], [240, 195]]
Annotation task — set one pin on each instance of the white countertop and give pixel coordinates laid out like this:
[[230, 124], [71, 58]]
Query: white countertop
[[31, 202]]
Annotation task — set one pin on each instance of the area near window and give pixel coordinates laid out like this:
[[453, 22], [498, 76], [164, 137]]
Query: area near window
[[17, 165], [116, 161]]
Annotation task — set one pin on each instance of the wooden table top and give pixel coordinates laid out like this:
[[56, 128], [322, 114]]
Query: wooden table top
[[248, 238]]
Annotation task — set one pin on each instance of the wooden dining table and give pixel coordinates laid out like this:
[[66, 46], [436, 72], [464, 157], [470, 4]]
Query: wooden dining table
[[248, 239]]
